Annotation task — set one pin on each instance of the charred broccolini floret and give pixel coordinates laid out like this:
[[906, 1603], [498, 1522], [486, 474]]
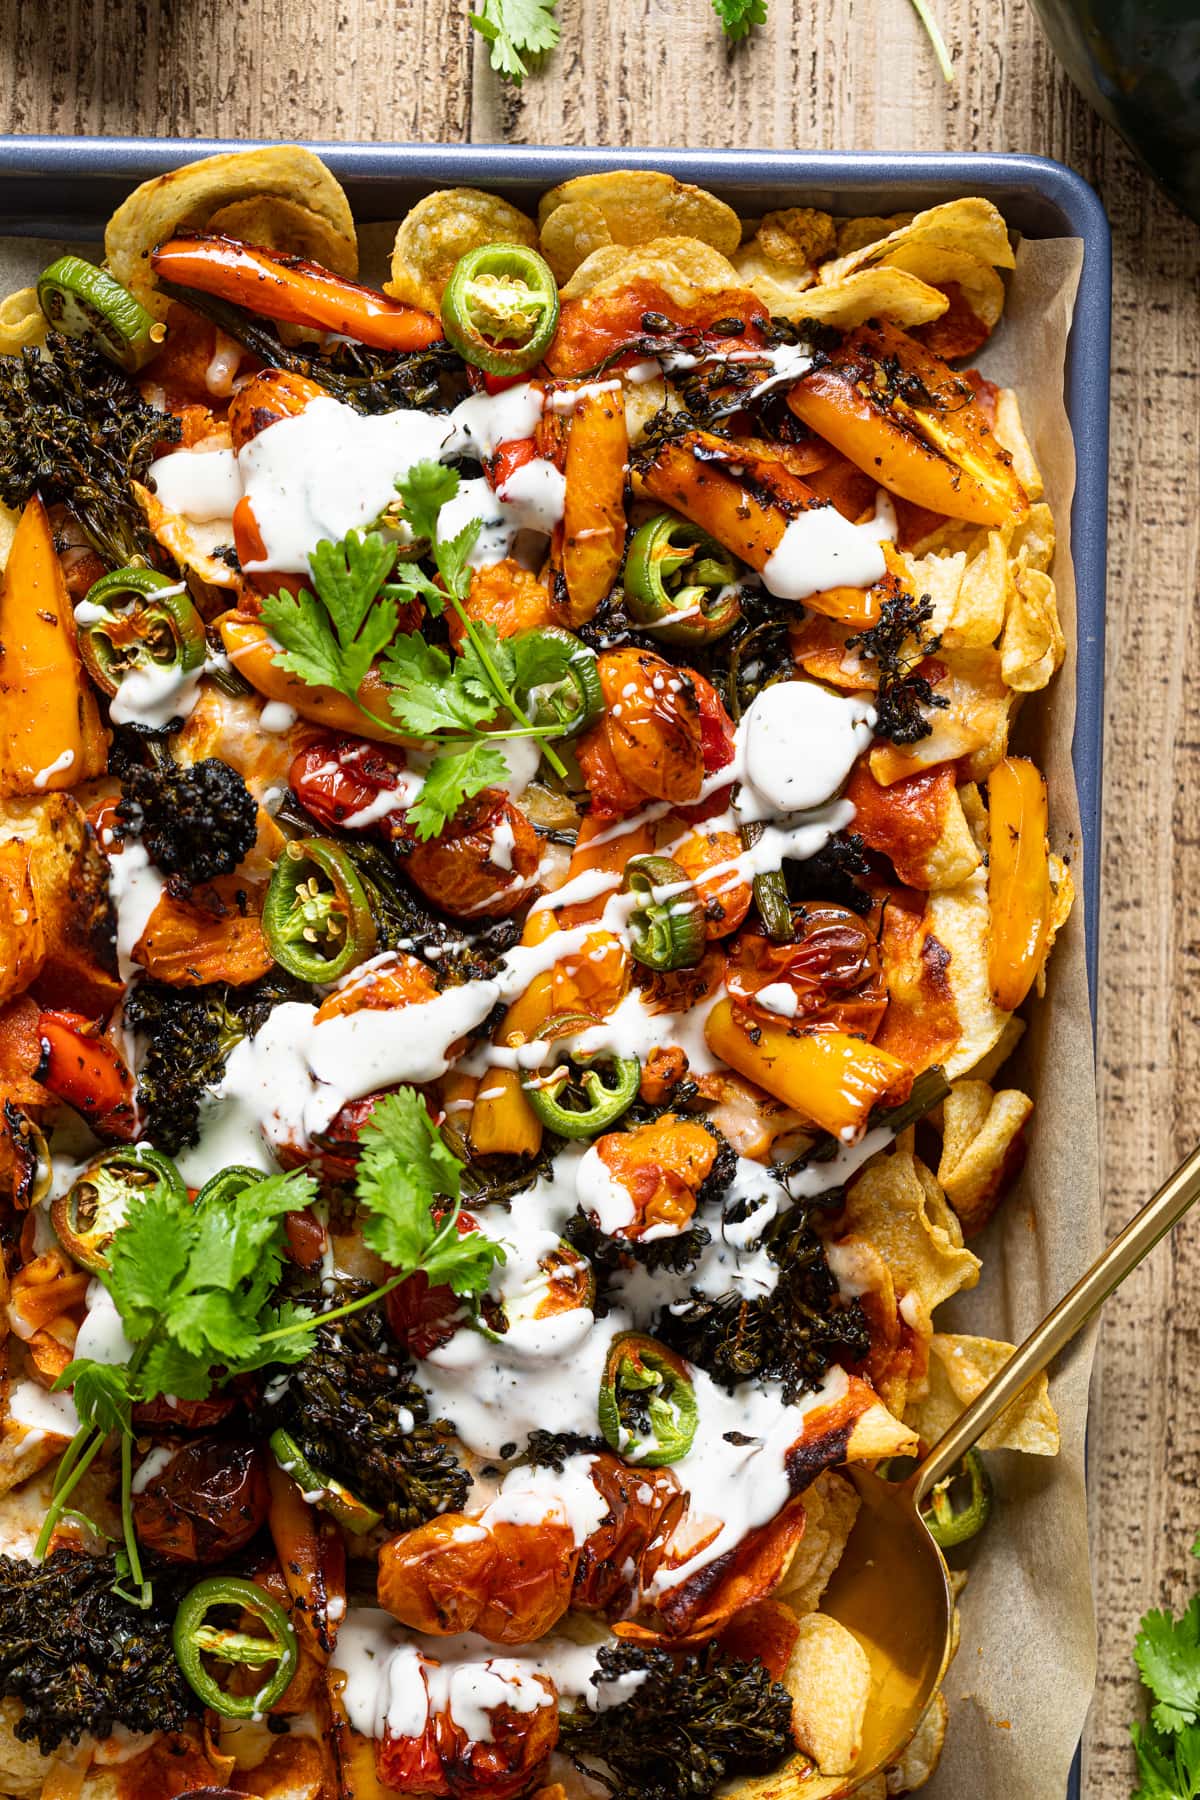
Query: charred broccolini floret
[[687, 1726], [189, 1033], [80, 1657], [897, 645], [358, 1416], [196, 822], [76, 430]]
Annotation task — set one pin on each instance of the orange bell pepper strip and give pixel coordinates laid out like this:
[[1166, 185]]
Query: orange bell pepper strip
[[252, 652], [1018, 880], [83, 1068], [593, 533], [296, 292], [502, 1120], [905, 418], [826, 1076], [51, 736], [313, 1561], [216, 935]]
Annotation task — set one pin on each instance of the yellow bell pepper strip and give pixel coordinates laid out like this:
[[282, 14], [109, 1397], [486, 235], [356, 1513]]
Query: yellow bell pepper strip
[[502, 1120], [693, 474], [905, 418], [593, 534], [1018, 880], [51, 736], [826, 1076], [252, 652]]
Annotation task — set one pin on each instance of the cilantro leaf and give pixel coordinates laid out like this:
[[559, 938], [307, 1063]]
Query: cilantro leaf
[[170, 1369], [332, 638], [539, 658], [739, 16], [451, 556], [515, 26], [1168, 1766], [1167, 1652], [431, 694], [100, 1391], [474, 672], [424, 490], [453, 780], [149, 1254]]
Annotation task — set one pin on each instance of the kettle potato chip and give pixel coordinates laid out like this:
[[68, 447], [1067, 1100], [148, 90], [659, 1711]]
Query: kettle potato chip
[[682, 267], [441, 228], [638, 205]]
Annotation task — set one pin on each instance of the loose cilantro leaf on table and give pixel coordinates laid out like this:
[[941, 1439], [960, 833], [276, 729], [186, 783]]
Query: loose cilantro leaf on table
[[514, 29], [1167, 1653], [738, 16]]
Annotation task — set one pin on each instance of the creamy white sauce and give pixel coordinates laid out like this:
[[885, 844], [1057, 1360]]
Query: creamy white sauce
[[154, 696], [800, 742], [160, 1458], [202, 485], [135, 887], [820, 549], [102, 1336], [62, 761]]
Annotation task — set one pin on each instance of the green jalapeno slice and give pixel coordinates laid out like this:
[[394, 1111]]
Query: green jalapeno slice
[[316, 917], [96, 1204], [581, 1105], [648, 1408], [137, 620], [680, 583], [193, 1638], [500, 308], [558, 680], [666, 929], [81, 300], [322, 1490], [958, 1508], [223, 1188]]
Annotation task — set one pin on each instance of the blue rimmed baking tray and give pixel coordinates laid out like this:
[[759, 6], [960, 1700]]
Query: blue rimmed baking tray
[[67, 187]]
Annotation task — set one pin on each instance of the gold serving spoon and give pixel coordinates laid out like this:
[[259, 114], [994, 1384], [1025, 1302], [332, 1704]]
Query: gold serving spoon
[[892, 1587]]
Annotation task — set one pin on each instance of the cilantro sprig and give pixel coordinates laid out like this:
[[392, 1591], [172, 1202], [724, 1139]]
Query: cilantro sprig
[[1167, 1749], [332, 636], [195, 1287], [515, 29]]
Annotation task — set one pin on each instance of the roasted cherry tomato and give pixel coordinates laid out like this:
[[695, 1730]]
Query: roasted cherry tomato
[[831, 975], [484, 862], [337, 779], [205, 1503]]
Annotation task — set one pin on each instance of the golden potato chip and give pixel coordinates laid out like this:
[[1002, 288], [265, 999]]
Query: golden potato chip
[[1010, 434], [990, 1064], [955, 855], [981, 287], [867, 294], [907, 1220], [441, 228], [191, 544], [973, 726], [1032, 541], [1033, 646], [829, 1678], [570, 234], [798, 237], [959, 1369], [831, 1506], [958, 919], [967, 587], [23, 1768], [856, 234], [286, 225], [643, 399], [876, 1432], [683, 267], [775, 283], [921, 1758], [186, 198], [22, 321], [970, 225], [1062, 899], [980, 1148], [639, 205]]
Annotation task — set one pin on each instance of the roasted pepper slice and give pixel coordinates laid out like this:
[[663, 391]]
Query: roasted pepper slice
[[581, 1106], [1018, 880], [97, 1202], [666, 928], [82, 1068], [680, 583], [137, 620], [500, 308], [316, 917], [193, 1638], [81, 300], [648, 1409], [959, 1507], [322, 1490]]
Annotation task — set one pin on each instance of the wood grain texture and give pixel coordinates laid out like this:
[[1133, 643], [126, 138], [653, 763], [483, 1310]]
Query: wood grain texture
[[845, 74]]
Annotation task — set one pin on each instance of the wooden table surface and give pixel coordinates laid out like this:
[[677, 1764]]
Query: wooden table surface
[[838, 74]]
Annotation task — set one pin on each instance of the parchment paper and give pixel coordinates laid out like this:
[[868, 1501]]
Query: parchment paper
[[1025, 1669]]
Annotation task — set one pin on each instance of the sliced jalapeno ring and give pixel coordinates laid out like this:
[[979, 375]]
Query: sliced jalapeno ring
[[223, 1188], [666, 929], [959, 1507], [500, 308], [316, 917], [680, 583], [194, 1638], [322, 1490], [134, 620], [81, 300], [96, 1204], [648, 1409], [581, 1105], [565, 690]]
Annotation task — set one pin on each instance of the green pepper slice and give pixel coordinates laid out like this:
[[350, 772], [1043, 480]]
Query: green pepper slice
[[136, 619], [680, 583], [223, 1188], [96, 1204], [648, 1407], [193, 1638], [666, 928], [322, 1490], [959, 1507], [81, 300], [581, 1106], [500, 308], [316, 917], [561, 686]]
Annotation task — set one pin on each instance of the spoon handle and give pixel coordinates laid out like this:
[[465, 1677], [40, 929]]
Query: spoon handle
[[1106, 1274]]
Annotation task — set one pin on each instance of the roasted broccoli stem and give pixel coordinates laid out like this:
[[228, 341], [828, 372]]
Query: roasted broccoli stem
[[196, 822], [189, 1034], [81, 1657], [75, 429], [686, 1727], [358, 1415]]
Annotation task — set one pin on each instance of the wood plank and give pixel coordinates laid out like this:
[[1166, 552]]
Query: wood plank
[[837, 74]]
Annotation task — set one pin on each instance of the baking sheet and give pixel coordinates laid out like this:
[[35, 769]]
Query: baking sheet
[[1023, 1678]]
